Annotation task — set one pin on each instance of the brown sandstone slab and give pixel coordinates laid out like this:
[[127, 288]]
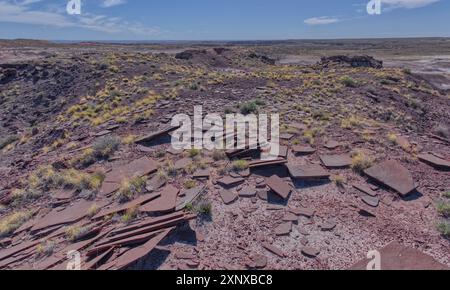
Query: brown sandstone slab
[[303, 150], [228, 197], [398, 257], [304, 172], [166, 202], [434, 161], [279, 186], [336, 161], [394, 175]]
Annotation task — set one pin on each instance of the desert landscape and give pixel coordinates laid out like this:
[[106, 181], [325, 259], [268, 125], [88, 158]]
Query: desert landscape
[[86, 162]]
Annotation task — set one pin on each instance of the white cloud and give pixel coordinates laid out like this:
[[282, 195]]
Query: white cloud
[[408, 3], [22, 12], [111, 3], [323, 20]]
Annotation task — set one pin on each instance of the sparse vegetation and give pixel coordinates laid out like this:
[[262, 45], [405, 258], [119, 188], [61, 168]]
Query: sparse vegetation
[[443, 208], [129, 215], [188, 184], [444, 228], [251, 107], [349, 82], [46, 248], [129, 188], [360, 161], [218, 155], [339, 180], [446, 194], [102, 149], [240, 165], [5, 141], [12, 222], [75, 233], [194, 152], [392, 138]]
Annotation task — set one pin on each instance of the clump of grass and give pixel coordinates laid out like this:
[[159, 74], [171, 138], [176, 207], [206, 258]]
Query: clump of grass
[[129, 188], [105, 146], [194, 152], [129, 215], [75, 233], [159, 153], [128, 139], [93, 210], [240, 165], [360, 161], [218, 155], [190, 184], [81, 180], [102, 149], [202, 207], [12, 222], [444, 228], [339, 180], [46, 248], [392, 138], [350, 122], [249, 108], [349, 82], [443, 208], [5, 141], [446, 194]]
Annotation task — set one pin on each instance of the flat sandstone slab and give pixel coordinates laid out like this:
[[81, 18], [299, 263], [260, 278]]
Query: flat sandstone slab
[[394, 175], [398, 257], [307, 172], [434, 161], [336, 161], [279, 186]]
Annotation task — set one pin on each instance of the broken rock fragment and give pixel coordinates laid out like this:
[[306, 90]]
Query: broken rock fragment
[[434, 161], [283, 229], [279, 186], [228, 197]]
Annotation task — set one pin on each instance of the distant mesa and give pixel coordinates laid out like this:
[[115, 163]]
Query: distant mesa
[[352, 61]]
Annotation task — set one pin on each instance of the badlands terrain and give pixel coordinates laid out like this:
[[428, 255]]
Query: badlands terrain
[[86, 162]]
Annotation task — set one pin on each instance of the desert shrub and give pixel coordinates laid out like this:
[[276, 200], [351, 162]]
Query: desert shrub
[[339, 180], [129, 215], [204, 207], [218, 155], [360, 161], [80, 180], [240, 165], [443, 208], [444, 228], [93, 210], [5, 141], [349, 82], [350, 122], [249, 108], [446, 194], [12, 222], [392, 138], [103, 148], [190, 184], [46, 248], [75, 233], [129, 188], [194, 152]]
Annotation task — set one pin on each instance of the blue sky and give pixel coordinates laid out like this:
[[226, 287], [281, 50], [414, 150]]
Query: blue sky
[[222, 20]]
